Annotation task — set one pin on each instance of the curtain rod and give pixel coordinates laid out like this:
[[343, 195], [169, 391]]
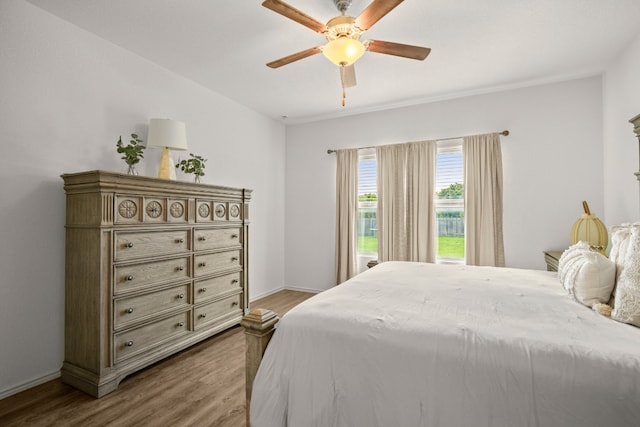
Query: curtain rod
[[503, 133]]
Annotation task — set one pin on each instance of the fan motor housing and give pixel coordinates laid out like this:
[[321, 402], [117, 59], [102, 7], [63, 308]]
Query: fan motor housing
[[342, 26]]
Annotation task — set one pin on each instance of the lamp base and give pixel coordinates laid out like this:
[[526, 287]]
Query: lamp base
[[167, 169]]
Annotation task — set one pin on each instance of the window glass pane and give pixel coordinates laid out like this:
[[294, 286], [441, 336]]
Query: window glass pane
[[367, 208], [449, 201]]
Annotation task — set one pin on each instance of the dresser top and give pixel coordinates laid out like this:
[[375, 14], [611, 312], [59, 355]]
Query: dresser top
[[105, 181]]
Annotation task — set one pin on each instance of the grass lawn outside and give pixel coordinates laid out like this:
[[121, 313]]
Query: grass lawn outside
[[448, 246], [368, 244], [451, 246]]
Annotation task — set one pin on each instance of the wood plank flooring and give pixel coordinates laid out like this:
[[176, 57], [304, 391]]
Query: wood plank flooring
[[200, 386]]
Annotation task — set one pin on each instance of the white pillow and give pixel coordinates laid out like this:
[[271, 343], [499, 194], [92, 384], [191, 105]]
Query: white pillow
[[619, 243], [587, 275], [627, 299]]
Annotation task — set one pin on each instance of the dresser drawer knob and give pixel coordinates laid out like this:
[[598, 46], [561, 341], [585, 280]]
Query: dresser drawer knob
[[234, 281], [233, 259], [130, 277], [180, 268], [129, 344], [203, 315], [180, 296], [202, 238], [129, 310], [234, 236], [202, 264], [180, 241], [203, 290], [234, 304], [129, 245], [180, 324]]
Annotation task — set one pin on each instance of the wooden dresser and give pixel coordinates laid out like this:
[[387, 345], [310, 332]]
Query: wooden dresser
[[152, 267]]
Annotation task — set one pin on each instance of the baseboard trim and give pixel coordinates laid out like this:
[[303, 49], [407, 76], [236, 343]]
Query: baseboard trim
[[300, 289], [29, 384], [252, 298], [287, 288]]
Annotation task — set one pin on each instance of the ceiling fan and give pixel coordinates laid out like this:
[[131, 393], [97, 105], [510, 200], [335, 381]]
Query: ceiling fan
[[343, 33]]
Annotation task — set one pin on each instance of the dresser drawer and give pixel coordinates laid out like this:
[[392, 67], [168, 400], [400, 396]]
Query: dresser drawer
[[214, 311], [137, 276], [128, 310], [215, 238], [135, 341], [211, 263], [207, 289], [134, 245]]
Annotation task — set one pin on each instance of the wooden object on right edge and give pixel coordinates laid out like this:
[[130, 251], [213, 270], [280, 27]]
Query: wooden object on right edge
[[259, 326]]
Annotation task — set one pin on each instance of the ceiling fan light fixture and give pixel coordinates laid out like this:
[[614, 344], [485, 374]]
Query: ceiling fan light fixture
[[343, 51]]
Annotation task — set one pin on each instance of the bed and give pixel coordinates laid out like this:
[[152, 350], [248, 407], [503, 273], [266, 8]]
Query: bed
[[415, 344]]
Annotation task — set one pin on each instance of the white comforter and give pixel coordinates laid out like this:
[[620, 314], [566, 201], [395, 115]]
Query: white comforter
[[411, 344]]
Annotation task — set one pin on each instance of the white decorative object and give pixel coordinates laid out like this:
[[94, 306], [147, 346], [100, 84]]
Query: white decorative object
[[635, 121], [169, 135], [627, 299], [619, 245], [587, 275]]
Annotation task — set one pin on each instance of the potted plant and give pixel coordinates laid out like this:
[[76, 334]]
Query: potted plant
[[194, 165], [132, 152]]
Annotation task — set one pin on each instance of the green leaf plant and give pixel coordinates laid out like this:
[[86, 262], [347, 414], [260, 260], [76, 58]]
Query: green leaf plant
[[194, 165], [132, 152]]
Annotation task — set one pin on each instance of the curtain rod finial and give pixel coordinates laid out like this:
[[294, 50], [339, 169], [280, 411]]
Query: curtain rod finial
[[505, 132]]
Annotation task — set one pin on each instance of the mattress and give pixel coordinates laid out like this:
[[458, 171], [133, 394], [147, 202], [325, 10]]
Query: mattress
[[415, 344]]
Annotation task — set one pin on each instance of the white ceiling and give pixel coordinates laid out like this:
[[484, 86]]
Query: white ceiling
[[477, 46]]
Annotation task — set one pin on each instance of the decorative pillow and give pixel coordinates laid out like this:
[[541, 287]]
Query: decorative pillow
[[587, 275], [619, 243], [627, 299]]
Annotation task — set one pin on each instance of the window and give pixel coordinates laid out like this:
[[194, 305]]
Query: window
[[367, 208], [449, 202]]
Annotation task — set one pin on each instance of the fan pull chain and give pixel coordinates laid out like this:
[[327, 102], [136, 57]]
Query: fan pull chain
[[344, 91]]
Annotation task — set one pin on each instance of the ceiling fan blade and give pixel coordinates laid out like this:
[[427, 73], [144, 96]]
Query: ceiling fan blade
[[374, 12], [348, 75], [294, 57], [398, 49], [292, 13]]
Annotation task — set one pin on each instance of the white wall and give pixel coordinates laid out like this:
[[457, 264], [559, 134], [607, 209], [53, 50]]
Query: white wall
[[552, 161], [621, 102], [65, 98]]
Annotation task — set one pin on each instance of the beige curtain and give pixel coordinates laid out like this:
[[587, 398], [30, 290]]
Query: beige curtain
[[483, 200], [406, 215], [346, 214]]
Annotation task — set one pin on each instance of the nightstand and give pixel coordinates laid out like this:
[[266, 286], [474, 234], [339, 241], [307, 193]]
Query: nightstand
[[552, 258]]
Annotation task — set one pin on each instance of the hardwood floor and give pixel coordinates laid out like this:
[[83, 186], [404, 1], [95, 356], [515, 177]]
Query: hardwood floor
[[203, 386]]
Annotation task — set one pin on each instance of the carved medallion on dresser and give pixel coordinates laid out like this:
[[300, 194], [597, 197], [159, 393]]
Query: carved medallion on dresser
[[152, 267]]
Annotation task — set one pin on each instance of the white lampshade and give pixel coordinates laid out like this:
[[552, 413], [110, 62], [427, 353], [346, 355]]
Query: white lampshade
[[169, 135], [343, 51]]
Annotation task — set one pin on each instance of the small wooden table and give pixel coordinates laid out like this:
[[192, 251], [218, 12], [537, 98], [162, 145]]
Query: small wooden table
[[552, 258]]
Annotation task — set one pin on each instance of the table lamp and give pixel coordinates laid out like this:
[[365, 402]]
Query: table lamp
[[170, 135]]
